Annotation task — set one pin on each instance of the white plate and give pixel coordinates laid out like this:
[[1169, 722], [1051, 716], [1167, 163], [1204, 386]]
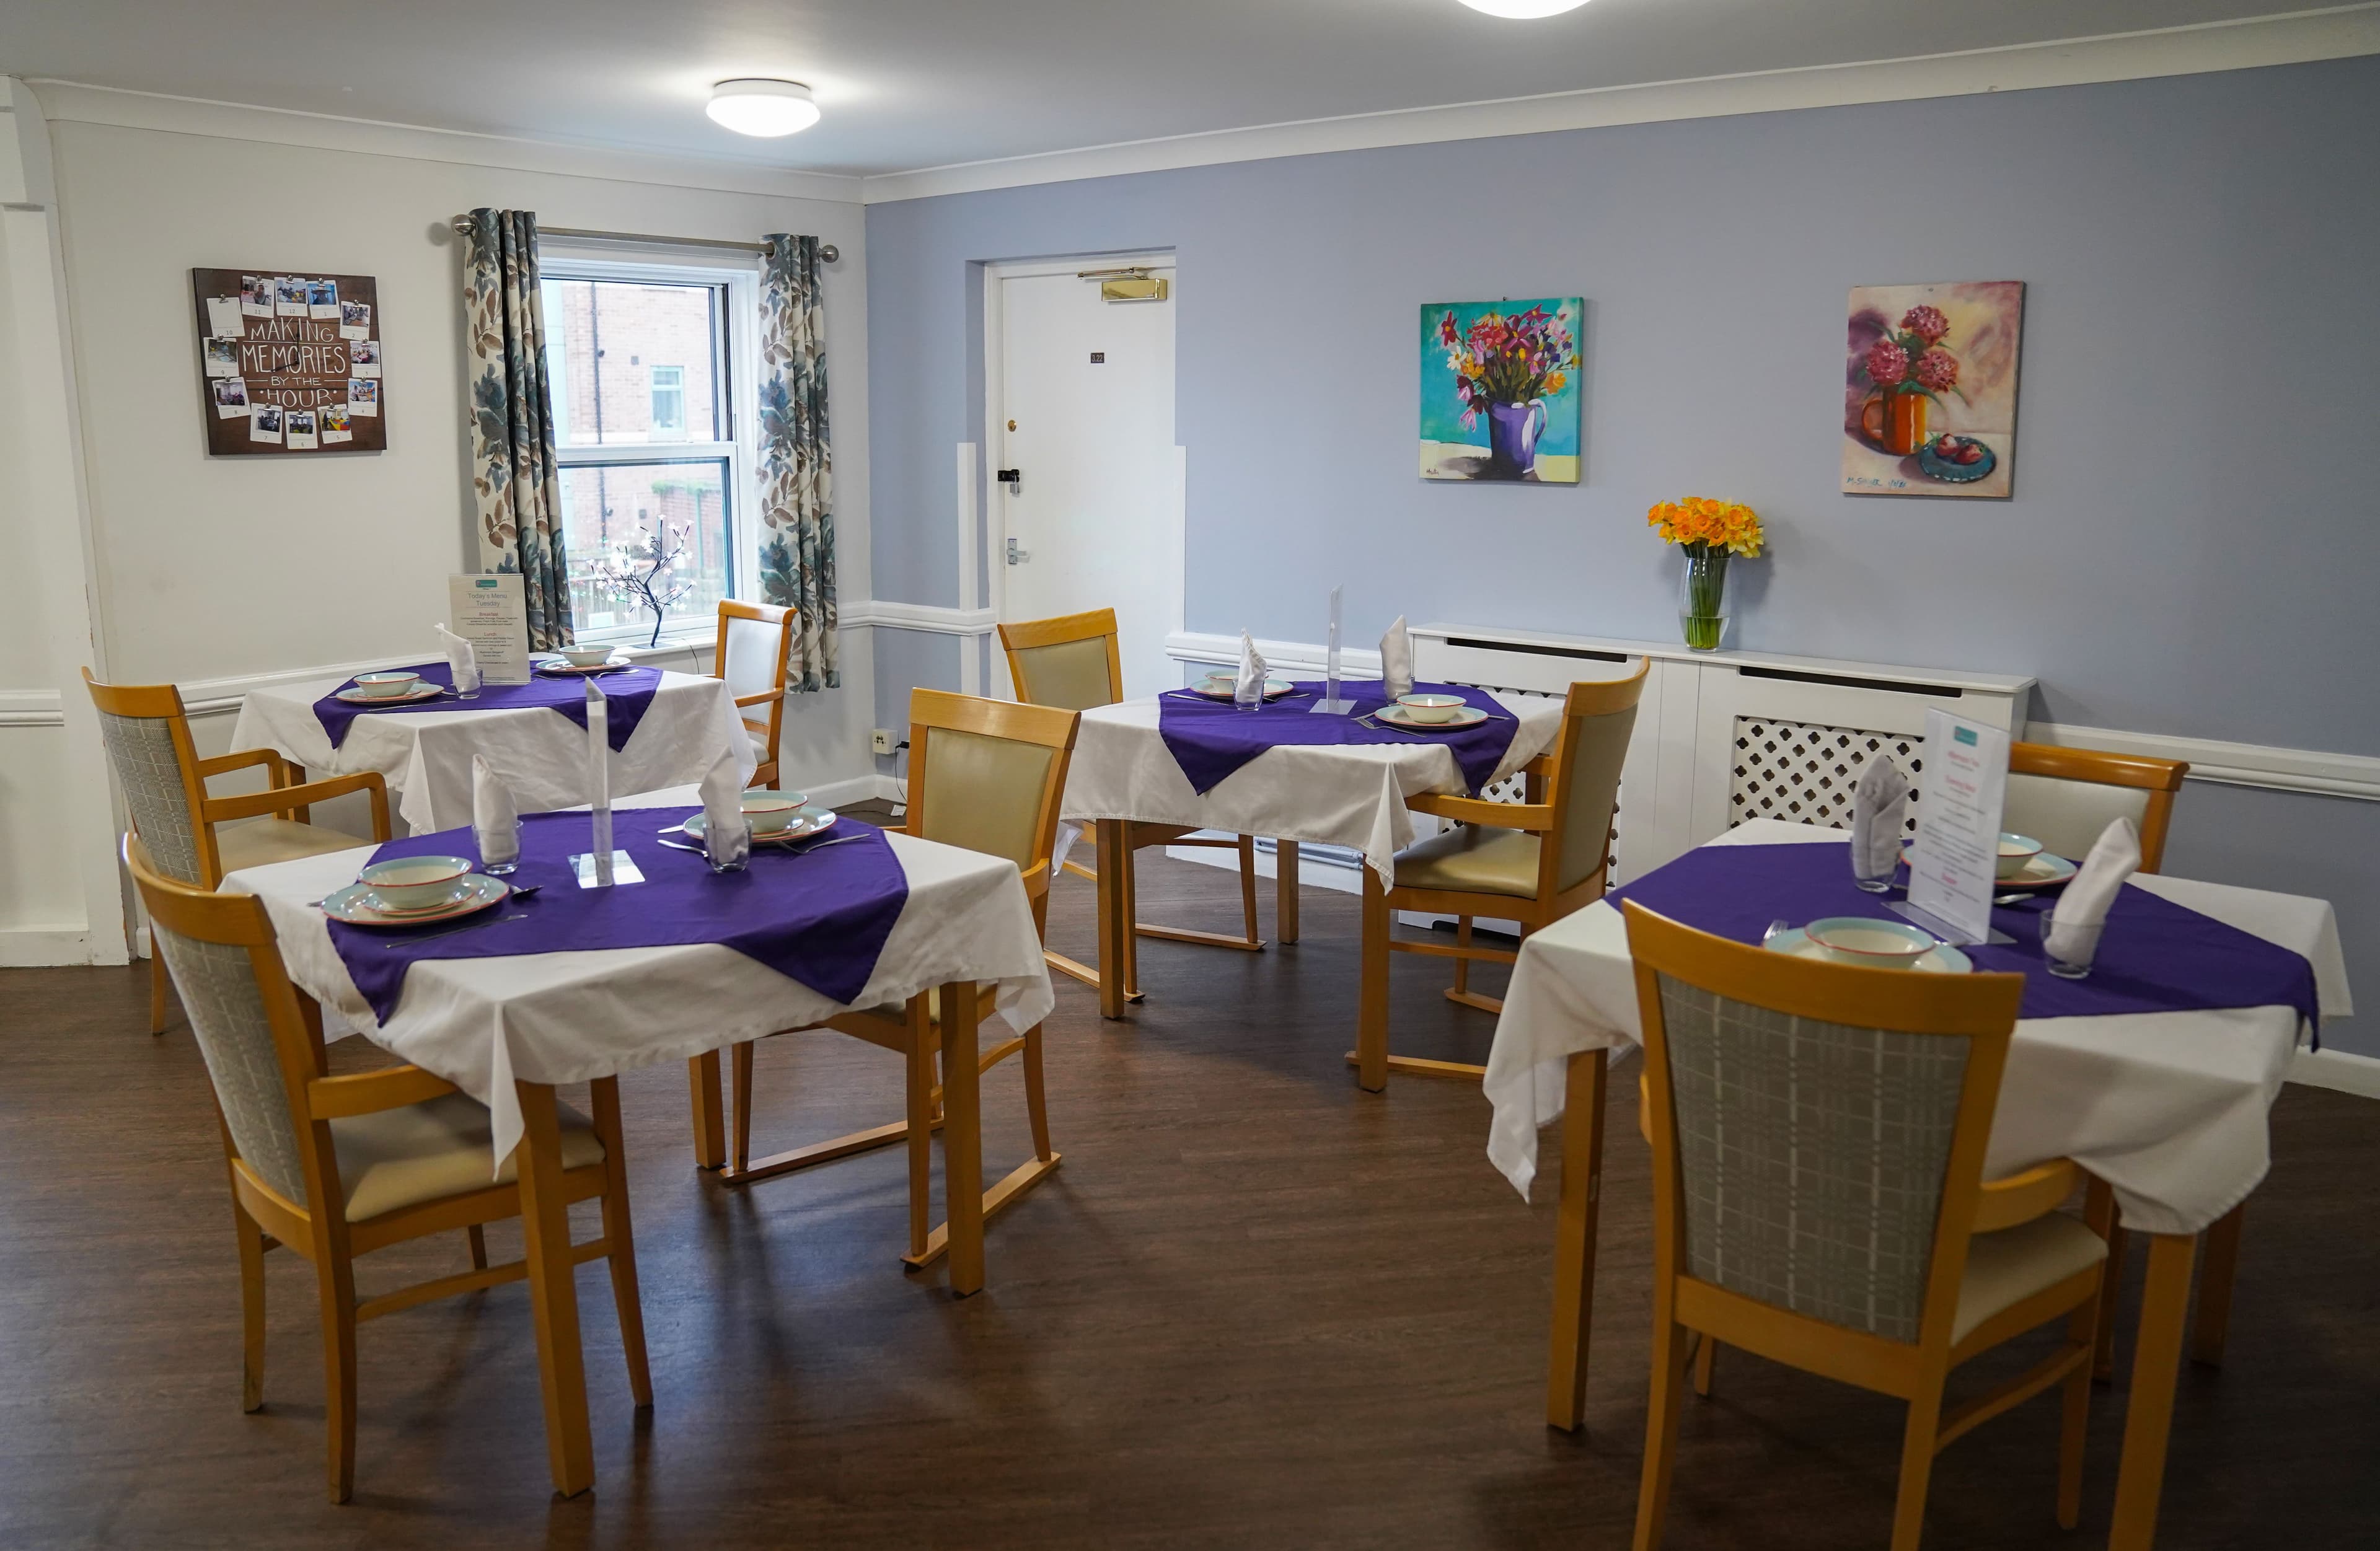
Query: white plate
[[565, 671], [808, 822], [2044, 871], [1274, 690], [358, 697], [352, 904], [1397, 716], [1943, 960]]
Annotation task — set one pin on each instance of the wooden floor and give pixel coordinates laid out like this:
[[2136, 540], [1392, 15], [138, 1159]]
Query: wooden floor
[[1256, 1308]]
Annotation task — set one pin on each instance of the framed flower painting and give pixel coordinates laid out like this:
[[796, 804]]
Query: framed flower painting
[[1929, 389], [1500, 390]]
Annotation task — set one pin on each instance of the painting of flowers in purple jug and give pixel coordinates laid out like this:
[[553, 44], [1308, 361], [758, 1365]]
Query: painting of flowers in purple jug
[[1500, 390], [1929, 388]]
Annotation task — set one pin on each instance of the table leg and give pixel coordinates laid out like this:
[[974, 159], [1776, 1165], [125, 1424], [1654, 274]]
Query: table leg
[[709, 1123], [962, 1131], [2215, 1288], [1574, 1236], [553, 1293], [1372, 993], [1115, 921], [2148, 1411], [1284, 884]]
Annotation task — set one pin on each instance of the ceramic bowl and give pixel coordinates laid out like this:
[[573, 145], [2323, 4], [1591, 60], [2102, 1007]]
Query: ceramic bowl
[[1874, 944], [768, 813], [415, 883], [2017, 852], [586, 657], [383, 686], [1431, 708]]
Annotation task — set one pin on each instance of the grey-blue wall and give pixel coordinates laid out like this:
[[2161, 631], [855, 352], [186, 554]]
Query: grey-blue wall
[[2190, 548]]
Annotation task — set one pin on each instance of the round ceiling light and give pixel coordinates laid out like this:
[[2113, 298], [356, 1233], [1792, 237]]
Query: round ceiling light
[[756, 105], [1524, 10]]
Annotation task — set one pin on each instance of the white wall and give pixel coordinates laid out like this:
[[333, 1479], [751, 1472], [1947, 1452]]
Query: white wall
[[207, 571]]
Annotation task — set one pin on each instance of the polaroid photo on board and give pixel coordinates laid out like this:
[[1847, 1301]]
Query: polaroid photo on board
[[256, 295], [323, 300], [288, 297], [363, 395], [223, 317], [363, 359], [265, 423], [355, 319], [335, 429], [223, 358], [301, 430], [231, 398]]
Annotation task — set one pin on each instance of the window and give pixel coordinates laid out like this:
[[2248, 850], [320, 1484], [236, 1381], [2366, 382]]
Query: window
[[650, 453]]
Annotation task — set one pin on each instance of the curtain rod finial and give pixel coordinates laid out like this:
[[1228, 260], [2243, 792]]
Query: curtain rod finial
[[828, 253]]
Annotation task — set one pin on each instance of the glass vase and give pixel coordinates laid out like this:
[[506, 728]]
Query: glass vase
[[1702, 598]]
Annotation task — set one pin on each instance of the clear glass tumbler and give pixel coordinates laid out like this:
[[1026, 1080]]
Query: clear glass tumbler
[[2079, 942], [728, 847], [499, 850], [1863, 873], [1246, 699], [467, 683]]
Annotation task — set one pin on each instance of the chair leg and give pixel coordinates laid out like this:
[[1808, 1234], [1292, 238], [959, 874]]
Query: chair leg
[[336, 1281], [1917, 1448], [739, 1063], [620, 1239], [710, 1125], [1248, 887], [1036, 1102], [1662, 1431], [1461, 966], [2099, 1211], [2074, 1425], [2214, 1319], [478, 1239], [1705, 1363], [1130, 955], [156, 988], [251, 1308], [1284, 885], [920, 1097], [1372, 1000]]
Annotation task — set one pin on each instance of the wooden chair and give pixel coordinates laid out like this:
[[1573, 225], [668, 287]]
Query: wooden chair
[[985, 775], [165, 782], [753, 641], [335, 1167], [2064, 797], [1073, 662], [1533, 862], [1818, 1135]]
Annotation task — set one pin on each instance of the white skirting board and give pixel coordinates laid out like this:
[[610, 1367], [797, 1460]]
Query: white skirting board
[[2341, 1070]]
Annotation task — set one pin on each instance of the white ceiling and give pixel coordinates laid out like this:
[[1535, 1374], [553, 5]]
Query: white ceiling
[[921, 83]]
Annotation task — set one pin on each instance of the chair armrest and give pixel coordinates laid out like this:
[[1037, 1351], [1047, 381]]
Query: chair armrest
[[220, 809], [1037, 879], [1538, 765], [270, 758], [1535, 817], [365, 1092], [2021, 1197], [760, 699]]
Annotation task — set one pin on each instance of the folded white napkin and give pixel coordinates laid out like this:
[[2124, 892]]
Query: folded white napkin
[[493, 812], [1396, 660], [2114, 857], [726, 837], [1252, 672], [461, 659], [1879, 811]]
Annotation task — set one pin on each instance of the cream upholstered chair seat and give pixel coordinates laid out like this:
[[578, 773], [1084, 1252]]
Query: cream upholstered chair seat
[[392, 1158], [2006, 1268], [987, 1003], [261, 842], [1473, 860]]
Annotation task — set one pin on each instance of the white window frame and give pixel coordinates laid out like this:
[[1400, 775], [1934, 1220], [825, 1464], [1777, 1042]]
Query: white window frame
[[738, 398]]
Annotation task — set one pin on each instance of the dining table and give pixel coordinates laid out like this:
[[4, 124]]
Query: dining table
[[667, 729], [1283, 771], [2157, 1075], [567, 985]]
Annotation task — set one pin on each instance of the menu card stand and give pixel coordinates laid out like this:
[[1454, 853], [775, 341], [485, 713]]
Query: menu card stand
[[601, 867], [1330, 704], [1954, 864]]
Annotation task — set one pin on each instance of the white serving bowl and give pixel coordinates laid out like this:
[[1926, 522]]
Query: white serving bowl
[[1431, 708], [415, 883], [2016, 852], [770, 813], [1863, 940], [383, 687], [586, 657]]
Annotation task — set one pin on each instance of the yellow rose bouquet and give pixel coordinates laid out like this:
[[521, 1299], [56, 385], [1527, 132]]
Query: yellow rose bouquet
[[1712, 533]]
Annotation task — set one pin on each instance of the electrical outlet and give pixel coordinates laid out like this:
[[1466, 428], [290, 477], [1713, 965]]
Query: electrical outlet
[[882, 741]]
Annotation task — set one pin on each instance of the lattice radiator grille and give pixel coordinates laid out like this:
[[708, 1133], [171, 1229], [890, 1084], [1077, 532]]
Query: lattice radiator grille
[[1805, 774], [1511, 789]]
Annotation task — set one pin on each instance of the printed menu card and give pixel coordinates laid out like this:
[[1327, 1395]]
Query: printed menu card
[[491, 613], [1953, 865]]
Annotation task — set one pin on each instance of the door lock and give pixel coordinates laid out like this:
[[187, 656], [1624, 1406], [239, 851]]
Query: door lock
[[1013, 478], [1015, 555]]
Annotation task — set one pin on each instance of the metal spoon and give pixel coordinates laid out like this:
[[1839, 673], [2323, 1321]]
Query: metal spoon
[[1776, 929]]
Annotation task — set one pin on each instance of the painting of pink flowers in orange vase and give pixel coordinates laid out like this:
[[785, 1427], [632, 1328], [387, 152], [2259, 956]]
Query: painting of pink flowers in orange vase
[[1929, 389]]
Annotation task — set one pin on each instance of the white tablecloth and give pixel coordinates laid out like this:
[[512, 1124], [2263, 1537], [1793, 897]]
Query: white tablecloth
[[2169, 1108], [482, 1024], [540, 753], [1350, 795]]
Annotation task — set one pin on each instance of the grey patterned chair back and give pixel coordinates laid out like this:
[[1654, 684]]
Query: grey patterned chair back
[[226, 1010], [1812, 1155], [147, 766]]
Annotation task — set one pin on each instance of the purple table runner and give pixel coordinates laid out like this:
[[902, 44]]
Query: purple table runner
[[2155, 956], [820, 919], [1209, 739], [629, 692]]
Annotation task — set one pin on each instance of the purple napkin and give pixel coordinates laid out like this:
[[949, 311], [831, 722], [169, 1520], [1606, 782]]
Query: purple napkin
[[819, 919], [1209, 739], [629, 692], [2157, 956]]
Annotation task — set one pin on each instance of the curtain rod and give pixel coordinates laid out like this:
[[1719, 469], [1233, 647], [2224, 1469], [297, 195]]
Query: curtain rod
[[828, 253]]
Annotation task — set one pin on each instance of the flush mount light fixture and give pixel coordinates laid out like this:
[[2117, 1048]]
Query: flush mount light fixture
[[756, 105], [1524, 10]]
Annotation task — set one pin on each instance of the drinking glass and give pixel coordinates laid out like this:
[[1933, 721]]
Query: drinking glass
[[1874, 882], [728, 847], [2082, 943], [467, 683], [1246, 699], [500, 849]]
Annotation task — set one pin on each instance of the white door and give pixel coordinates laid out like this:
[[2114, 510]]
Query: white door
[[1084, 415]]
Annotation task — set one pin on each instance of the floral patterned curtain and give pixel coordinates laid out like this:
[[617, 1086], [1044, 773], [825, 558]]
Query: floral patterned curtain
[[511, 419], [796, 466]]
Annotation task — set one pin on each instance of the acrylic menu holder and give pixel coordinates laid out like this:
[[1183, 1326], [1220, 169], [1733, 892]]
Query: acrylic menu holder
[[1953, 864], [1331, 704], [601, 867]]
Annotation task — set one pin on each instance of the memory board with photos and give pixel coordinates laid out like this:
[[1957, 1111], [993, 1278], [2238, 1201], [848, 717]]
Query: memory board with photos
[[289, 363]]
